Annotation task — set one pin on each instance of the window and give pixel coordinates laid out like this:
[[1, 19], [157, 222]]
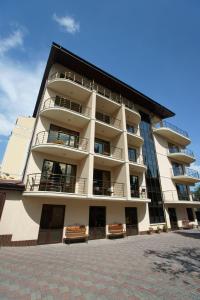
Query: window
[[57, 176], [182, 191], [173, 148], [132, 154], [102, 147], [190, 214], [177, 169], [103, 117], [63, 102], [63, 136], [130, 128], [134, 184], [101, 182]]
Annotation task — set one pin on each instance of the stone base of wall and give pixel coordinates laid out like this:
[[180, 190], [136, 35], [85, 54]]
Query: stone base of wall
[[5, 240]]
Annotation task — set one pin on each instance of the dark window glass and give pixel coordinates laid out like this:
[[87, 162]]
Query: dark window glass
[[152, 174], [58, 177], [134, 184], [103, 117], [182, 191], [132, 154], [2, 202], [101, 182], [63, 136], [177, 169], [63, 102], [190, 214], [130, 128], [173, 148], [102, 147]]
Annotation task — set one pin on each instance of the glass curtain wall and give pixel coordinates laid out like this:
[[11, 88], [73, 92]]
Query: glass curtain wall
[[152, 174]]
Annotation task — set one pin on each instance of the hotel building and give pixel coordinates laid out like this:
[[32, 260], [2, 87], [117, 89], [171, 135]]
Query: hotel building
[[100, 153]]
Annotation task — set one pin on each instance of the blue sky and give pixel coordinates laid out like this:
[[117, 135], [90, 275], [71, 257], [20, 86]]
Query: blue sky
[[153, 45]]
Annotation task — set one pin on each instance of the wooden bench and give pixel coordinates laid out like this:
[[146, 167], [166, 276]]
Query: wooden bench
[[116, 230], [186, 224], [75, 232]]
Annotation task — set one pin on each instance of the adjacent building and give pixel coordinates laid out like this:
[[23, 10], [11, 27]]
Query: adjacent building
[[100, 153]]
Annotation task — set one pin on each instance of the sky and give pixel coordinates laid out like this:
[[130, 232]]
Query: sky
[[153, 45]]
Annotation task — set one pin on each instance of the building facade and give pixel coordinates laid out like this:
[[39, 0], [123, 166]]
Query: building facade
[[101, 153]]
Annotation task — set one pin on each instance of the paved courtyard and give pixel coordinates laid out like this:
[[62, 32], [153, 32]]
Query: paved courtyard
[[159, 266]]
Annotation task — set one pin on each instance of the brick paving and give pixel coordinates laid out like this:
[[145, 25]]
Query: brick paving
[[159, 266]]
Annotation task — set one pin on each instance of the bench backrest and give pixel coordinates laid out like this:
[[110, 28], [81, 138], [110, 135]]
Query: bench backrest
[[117, 227], [75, 229]]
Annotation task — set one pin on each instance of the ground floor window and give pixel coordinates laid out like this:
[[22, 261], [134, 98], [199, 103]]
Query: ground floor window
[[190, 214]]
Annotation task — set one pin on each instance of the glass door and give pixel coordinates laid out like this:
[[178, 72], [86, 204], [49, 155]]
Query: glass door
[[97, 222], [173, 218], [131, 220]]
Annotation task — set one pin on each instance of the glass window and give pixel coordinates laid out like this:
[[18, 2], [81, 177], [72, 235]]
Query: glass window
[[190, 214], [102, 147], [173, 148], [182, 191], [132, 154], [130, 128], [60, 135], [177, 169], [101, 183], [134, 184], [103, 117]]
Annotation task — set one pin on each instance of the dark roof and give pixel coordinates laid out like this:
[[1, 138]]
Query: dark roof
[[7, 184], [68, 59]]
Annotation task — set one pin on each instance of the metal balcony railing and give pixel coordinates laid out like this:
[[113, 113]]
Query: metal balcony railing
[[108, 188], [132, 129], [138, 160], [61, 138], [140, 192], [92, 85], [172, 127], [108, 119], [175, 196], [66, 104], [179, 171], [195, 197], [184, 151], [114, 152], [49, 182]]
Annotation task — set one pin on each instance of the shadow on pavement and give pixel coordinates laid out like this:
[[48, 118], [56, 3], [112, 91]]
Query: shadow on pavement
[[189, 234], [176, 262]]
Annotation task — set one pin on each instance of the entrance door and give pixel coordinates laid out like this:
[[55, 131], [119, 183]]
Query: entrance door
[[51, 224], [97, 222], [173, 218], [198, 216], [131, 220]]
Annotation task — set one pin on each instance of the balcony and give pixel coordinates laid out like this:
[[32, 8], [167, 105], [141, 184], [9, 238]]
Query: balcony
[[137, 165], [132, 115], [107, 126], [172, 197], [108, 189], [172, 133], [181, 155], [187, 175], [62, 82], [61, 144], [139, 194], [67, 111], [47, 184], [111, 158], [133, 136]]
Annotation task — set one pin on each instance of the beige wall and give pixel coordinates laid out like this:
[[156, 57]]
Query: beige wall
[[17, 148]]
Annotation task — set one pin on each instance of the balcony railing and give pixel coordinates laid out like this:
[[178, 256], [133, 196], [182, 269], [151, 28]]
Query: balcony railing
[[61, 138], [172, 127], [92, 85], [48, 182], [138, 160], [140, 192], [108, 188], [108, 119], [60, 102], [132, 129], [179, 171], [184, 151], [195, 197], [114, 152], [175, 196]]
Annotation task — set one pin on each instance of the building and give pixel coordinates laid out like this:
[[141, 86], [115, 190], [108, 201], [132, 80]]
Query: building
[[101, 153]]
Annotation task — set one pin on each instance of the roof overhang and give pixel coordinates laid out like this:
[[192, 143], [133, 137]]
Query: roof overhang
[[66, 58]]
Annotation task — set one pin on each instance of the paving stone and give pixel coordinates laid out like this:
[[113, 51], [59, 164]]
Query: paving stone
[[165, 266]]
